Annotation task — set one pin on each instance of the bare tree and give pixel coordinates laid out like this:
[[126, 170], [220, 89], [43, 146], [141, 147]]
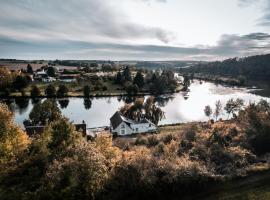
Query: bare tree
[[218, 109]]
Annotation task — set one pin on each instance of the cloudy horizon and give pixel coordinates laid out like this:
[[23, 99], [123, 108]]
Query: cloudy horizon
[[134, 29]]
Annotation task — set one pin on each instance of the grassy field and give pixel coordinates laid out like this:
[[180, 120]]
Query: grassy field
[[252, 187]]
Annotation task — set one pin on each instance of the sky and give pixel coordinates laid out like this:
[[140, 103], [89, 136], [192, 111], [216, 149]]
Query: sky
[[134, 29]]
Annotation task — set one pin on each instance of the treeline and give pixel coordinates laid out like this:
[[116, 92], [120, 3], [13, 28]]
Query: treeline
[[253, 67], [144, 80]]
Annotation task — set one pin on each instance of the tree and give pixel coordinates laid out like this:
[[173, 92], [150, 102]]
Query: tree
[[62, 134], [50, 91], [147, 109], [218, 109], [86, 91], [132, 89], [13, 140], [139, 80], [119, 78], [62, 91], [35, 91], [51, 71], [29, 69], [20, 82], [45, 112], [208, 111], [6, 78], [233, 106], [186, 82], [127, 74]]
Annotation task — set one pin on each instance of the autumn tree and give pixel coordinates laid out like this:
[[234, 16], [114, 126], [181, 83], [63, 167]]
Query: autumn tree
[[13, 140]]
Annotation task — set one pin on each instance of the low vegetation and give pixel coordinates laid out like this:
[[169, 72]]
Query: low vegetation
[[185, 160]]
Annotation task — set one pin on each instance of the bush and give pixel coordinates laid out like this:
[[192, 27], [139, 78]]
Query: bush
[[152, 141], [141, 140]]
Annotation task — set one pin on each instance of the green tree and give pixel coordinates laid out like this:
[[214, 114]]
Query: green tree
[[62, 91], [232, 106], [86, 91], [20, 82], [127, 74], [208, 111], [50, 91], [45, 112], [51, 71], [29, 69], [35, 91], [139, 80], [119, 78]]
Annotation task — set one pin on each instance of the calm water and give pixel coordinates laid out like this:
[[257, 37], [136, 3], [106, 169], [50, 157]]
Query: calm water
[[180, 107]]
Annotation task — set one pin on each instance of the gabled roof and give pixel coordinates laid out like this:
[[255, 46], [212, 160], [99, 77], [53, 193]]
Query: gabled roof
[[118, 118]]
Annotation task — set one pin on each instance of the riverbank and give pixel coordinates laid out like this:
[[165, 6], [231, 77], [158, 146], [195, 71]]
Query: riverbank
[[77, 91], [223, 80]]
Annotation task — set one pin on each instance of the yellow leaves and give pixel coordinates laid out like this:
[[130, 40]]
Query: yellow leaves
[[13, 140]]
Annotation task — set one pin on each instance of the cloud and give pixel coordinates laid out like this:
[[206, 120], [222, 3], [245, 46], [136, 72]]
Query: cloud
[[264, 20], [86, 19], [227, 46]]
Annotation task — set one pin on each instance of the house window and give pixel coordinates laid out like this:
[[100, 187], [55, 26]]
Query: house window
[[122, 132], [122, 126], [149, 125], [137, 129]]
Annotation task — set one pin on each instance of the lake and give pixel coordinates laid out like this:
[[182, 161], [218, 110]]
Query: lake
[[179, 107]]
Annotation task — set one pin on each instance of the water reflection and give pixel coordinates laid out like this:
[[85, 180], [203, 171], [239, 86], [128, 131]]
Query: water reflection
[[22, 104], [88, 103], [180, 107], [63, 103]]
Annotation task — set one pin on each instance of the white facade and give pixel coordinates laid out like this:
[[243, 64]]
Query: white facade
[[127, 127]]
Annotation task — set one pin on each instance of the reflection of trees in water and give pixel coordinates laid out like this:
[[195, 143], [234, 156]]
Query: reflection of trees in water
[[87, 103], [63, 103], [108, 100], [162, 101], [185, 95], [35, 100], [22, 104]]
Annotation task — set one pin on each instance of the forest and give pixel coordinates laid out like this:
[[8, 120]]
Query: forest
[[253, 67]]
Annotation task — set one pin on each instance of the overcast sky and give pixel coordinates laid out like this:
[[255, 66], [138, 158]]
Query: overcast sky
[[134, 29]]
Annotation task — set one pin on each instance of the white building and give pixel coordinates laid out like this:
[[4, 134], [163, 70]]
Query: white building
[[121, 125]]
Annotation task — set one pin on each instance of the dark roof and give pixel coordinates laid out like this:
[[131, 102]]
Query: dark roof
[[80, 128], [32, 130], [116, 120]]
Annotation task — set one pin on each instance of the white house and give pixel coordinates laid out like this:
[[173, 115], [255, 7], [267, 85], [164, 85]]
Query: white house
[[121, 125]]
